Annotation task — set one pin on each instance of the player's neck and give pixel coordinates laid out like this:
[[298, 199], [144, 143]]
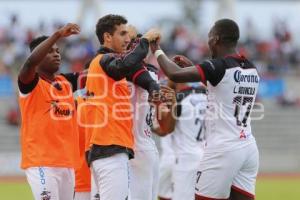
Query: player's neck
[[226, 51], [48, 76], [108, 46]]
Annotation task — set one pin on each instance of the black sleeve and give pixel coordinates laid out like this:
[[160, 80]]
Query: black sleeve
[[28, 87], [73, 79], [212, 70], [119, 66], [143, 79]]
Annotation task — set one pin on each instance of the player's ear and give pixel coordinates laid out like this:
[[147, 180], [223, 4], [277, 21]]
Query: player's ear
[[107, 37]]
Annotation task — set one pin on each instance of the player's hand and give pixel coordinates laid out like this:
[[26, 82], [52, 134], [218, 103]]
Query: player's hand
[[152, 35], [154, 46], [132, 31], [168, 94], [182, 61], [69, 29], [165, 95], [155, 97]]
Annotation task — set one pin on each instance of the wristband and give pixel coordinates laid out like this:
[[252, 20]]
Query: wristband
[[158, 52]]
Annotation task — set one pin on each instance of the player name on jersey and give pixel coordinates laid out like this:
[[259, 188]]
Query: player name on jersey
[[244, 90]]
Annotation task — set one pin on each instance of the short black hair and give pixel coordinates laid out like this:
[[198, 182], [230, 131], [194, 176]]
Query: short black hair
[[107, 24], [36, 41], [228, 31]]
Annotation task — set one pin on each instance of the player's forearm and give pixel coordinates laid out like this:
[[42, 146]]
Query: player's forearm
[[174, 72], [28, 70], [167, 123], [157, 130], [119, 66], [167, 118], [169, 67], [143, 79], [136, 54]]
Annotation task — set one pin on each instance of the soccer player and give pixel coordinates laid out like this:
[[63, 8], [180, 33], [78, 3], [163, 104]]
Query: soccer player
[[49, 136], [112, 140], [188, 138], [230, 161], [166, 159], [144, 167]]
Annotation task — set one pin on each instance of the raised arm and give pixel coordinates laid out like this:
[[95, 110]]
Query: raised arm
[[172, 70], [118, 66], [131, 65], [28, 70]]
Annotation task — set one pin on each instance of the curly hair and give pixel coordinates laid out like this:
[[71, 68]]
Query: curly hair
[[36, 41]]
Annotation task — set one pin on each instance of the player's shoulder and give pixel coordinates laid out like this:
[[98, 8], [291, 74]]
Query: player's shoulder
[[229, 62], [241, 61], [215, 63], [222, 63]]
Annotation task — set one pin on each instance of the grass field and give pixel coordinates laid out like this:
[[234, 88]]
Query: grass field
[[267, 189]]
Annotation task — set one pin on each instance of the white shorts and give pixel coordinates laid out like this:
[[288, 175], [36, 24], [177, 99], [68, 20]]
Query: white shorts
[[184, 176], [94, 189], [82, 196], [51, 182], [111, 175], [165, 187], [144, 171], [221, 172]]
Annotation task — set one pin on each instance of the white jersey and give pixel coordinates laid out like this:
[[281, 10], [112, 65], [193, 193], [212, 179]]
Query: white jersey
[[232, 88], [166, 145], [188, 136], [142, 118]]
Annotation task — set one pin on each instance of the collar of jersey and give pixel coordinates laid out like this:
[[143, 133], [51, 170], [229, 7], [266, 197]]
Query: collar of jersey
[[236, 55], [103, 50]]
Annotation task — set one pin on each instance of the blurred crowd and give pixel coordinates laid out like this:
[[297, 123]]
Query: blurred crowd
[[276, 56]]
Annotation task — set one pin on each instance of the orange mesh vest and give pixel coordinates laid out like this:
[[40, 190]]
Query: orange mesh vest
[[89, 120], [112, 107], [49, 134], [82, 174]]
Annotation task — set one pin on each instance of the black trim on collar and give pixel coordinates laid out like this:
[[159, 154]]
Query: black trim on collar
[[103, 50]]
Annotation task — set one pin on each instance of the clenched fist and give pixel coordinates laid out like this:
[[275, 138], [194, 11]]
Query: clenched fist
[[182, 61], [132, 31], [69, 29], [152, 35]]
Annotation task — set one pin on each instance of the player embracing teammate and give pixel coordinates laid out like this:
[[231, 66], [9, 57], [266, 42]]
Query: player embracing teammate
[[230, 161], [49, 132]]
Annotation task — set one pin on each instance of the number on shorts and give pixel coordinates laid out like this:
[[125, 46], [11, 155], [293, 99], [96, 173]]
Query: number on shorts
[[198, 176], [197, 121]]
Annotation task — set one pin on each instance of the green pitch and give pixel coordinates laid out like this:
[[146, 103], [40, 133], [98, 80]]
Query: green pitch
[[15, 191], [278, 189], [267, 189]]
